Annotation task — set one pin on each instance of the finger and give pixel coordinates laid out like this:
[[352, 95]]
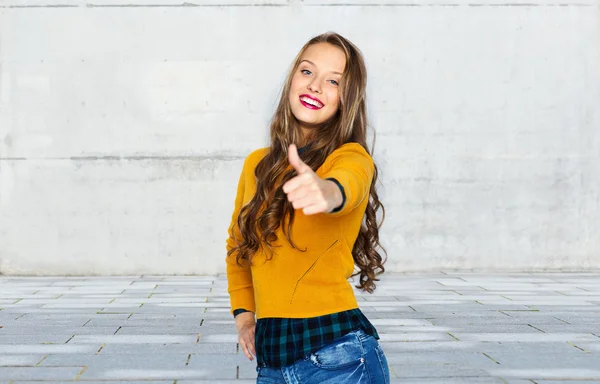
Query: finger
[[298, 181], [244, 347], [251, 346], [301, 192], [304, 202], [315, 208], [295, 161], [252, 349]]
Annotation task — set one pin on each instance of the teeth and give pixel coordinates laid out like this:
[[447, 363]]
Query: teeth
[[311, 102]]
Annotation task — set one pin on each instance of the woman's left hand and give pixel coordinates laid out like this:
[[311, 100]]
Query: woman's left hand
[[309, 192]]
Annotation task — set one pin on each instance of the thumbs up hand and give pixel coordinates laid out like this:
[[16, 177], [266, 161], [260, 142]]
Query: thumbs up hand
[[309, 192]]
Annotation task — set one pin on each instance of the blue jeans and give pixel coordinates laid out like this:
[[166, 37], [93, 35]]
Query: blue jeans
[[356, 358]]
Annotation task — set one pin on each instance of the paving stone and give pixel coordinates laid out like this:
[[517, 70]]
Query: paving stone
[[414, 336], [467, 321], [178, 290], [219, 371], [433, 370], [418, 317], [100, 307], [452, 380], [400, 322], [523, 350], [467, 308], [507, 278], [142, 359], [64, 330], [108, 296], [19, 360], [198, 305], [147, 322], [47, 348], [525, 337], [152, 310], [578, 317], [407, 329], [564, 381], [247, 370], [518, 381], [63, 311], [23, 323], [70, 303], [575, 359], [170, 316], [409, 314], [195, 293], [224, 362], [472, 359], [402, 309], [440, 346], [567, 328], [92, 382], [549, 373], [155, 299], [12, 297], [40, 373], [54, 317], [223, 338], [171, 330], [212, 381], [491, 328], [134, 339], [35, 339], [482, 314], [16, 307], [593, 309], [589, 346], [199, 348]]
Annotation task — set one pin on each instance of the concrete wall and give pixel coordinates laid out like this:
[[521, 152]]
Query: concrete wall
[[124, 124]]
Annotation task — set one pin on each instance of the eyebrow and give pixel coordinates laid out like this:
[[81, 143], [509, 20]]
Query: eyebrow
[[308, 61]]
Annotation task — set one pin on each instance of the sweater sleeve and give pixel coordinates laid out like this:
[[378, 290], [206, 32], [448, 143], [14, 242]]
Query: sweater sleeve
[[353, 169], [239, 278]]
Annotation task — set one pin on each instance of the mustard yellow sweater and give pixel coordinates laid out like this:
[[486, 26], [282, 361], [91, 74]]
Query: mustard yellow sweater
[[296, 284]]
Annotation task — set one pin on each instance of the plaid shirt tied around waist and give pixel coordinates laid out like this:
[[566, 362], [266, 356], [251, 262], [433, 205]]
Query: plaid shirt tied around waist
[[280, 341]]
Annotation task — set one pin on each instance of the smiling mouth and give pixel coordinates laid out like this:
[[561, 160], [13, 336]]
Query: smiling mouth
[[310, 103]]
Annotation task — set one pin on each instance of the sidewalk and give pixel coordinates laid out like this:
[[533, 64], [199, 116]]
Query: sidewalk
[[442, 328]]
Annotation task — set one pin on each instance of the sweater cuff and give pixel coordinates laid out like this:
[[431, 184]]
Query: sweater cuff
[[242, 298], [343, 194]]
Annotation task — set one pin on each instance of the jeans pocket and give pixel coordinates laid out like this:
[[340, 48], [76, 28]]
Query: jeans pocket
[[340, 354]]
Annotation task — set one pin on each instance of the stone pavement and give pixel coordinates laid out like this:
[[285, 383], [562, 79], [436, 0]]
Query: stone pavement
[[442, 328]]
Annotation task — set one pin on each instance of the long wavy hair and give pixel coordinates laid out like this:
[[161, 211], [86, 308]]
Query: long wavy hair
[[269, 209]]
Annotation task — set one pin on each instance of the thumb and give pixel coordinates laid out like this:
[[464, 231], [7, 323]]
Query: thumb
[[295, 160]]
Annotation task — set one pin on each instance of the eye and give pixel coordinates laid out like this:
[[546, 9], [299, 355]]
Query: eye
[[306, 72], [334, 82]]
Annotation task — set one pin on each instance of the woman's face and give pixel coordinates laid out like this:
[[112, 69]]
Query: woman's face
[[314, 92]]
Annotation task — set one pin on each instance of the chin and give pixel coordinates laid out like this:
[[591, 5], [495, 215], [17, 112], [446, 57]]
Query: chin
[[307, 120]]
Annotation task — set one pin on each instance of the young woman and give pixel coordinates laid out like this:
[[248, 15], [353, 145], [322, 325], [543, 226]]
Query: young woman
[[303, 219]]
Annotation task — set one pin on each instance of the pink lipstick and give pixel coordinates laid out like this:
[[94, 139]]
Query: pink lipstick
[[311, 102]]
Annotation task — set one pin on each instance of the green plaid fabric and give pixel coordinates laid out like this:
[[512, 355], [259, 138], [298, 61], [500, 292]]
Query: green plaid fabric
[[280, 342]]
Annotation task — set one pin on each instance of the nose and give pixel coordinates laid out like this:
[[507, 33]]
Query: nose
[[314, 86]]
